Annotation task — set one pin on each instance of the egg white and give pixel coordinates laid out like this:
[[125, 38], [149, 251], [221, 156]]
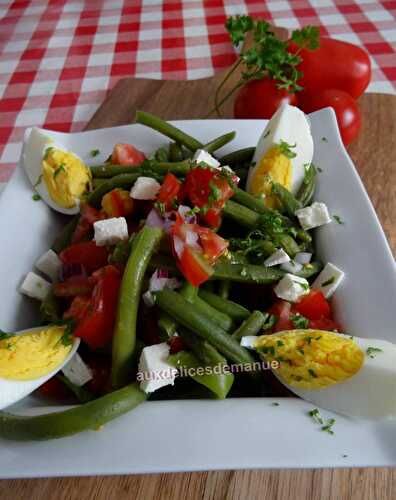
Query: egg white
[[12, 391], [369, 394], [291, 125], [34, 147]]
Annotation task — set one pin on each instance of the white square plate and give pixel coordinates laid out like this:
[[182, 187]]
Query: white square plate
[[236, 433]]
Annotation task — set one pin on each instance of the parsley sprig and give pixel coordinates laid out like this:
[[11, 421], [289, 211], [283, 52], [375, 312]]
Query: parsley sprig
[[268, 55]]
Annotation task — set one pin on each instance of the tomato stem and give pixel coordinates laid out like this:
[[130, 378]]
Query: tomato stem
[[220, 86]]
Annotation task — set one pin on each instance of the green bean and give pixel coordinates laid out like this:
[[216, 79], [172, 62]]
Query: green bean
[[97, 181], [288, 244], [118, 181], [239, 157], [221, 319], [187, 315], [218, 383], [219, 142], [151, 168], [289, 203], [65, 236], [244, 216], [224, 289], [307, 189], [89, 416], [165, 322], [250, 201], [143, 247], [162, 154], [251, 326], [167, 129], [175, 152], [247, 273], [303, 236], [232, 309]]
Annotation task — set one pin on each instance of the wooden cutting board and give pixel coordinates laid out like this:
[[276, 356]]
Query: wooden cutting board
[[374, 153]]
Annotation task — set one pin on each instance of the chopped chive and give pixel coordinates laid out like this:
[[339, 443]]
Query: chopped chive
[[60, 169], [312, 373], [94, 152], [39, 179], [372, 351], [315, 414], [275, 403], [338, 219], [267, 133], [36, 197], [330, 281], [324, 139]]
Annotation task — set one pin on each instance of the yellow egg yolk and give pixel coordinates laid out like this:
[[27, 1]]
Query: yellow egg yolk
[[32, 355], [311, 359], [67, 178], [274, 166]]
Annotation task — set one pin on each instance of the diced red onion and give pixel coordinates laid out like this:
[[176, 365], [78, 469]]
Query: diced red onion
[[178, 245], [148, 299], [183, 211], [154, 219], [192, 240]]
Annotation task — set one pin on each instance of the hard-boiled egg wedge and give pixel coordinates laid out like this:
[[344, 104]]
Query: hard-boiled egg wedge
[[31, 357], [283, 150], [350, 375], [60, 177]]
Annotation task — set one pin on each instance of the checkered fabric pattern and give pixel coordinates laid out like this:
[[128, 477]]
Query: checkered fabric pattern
[[58, 58]]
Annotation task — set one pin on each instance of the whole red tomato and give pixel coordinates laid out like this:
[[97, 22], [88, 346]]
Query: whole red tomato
[[260, 99], [345, 107], [335, 64]]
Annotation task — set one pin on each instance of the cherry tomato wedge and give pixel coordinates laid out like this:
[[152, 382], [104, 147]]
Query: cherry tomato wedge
[[126, 154], [282, 310], [117, 203], [88, 216], [213, 245], [313, 306], [194, 267], [169, 191], [75, 285], [96, 326], [325, 324], [86, 253], [260, 99]]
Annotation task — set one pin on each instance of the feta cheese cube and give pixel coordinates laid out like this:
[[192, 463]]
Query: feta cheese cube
[[110, 231], [291, 267], [303, 258], [154, 371], [77, 371], [328, 280], [291, 288], [35, 286], [202, 156], [145, 188], [50, 265], [313, 216], [278, 257], [249, 341]]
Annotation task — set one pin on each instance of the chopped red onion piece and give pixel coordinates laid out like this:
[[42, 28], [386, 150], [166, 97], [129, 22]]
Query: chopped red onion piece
[[154, 219], [178, 245], [183, 211]]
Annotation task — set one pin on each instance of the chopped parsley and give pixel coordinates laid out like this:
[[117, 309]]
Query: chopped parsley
[[319, 169], [308, 339], [324, 139], [94, 152], [67, 337], [286, 149], [312, 373], [5, 335], [269, 350], [267, 133], [316, 416], [328, 426], [330, 281], [279, 343], [275, 403], [299, 321], [39, 179], [47, 152], [301, 351], [270, 322], [373, 351], [215, 193], [36, 197], [193, 211], [304, 286], [60, 169], [338, 219], [160, 207]]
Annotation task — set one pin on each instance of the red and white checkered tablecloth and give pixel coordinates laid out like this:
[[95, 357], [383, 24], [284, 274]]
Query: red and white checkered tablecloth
[[58, 58]]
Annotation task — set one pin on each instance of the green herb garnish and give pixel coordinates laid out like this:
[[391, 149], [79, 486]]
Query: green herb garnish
[[267, 133], [67, 337], [280, 343], [315, 414], [94, 152], [269, 350], [328, 426], [373, 351], [338, 219], [299, 321], [275, 403], [324, 139], [312, 373], [47, 152], [5, 335], [286, 149], [60, 169], [39, 179], [36, 197], [330, 281]]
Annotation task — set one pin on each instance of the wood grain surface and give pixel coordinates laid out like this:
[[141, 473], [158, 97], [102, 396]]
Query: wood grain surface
[[374, 153]]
